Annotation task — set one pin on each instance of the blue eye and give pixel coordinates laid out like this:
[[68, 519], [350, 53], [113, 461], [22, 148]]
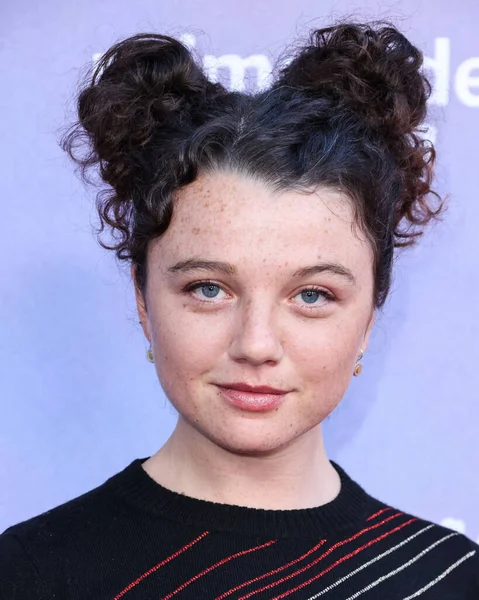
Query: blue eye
[[206, 291], [210, 290], [310, 296], [314, 298]]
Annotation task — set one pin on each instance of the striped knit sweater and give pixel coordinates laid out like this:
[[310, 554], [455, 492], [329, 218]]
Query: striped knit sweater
[[132, 538]]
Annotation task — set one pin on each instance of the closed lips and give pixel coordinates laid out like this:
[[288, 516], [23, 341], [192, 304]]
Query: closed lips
[[262, 389]]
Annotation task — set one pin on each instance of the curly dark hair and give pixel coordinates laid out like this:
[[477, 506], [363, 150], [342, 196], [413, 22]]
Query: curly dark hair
[[345, 113]]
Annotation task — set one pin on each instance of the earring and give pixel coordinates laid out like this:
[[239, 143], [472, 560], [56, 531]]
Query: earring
[[359, 367], [149, 355]]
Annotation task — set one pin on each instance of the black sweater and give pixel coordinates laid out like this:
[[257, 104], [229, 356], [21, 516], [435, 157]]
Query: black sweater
[[133, 538]]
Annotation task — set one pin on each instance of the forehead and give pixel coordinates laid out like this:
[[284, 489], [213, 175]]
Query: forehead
[[227, 216]]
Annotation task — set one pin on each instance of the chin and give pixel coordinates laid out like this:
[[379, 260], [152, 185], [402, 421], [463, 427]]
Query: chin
[[248, 440]]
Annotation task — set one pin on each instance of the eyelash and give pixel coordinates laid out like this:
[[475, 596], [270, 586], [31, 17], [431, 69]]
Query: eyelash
[[191, 287], [328, 296]]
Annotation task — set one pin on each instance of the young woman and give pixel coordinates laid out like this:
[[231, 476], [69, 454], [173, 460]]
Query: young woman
[[261, 231]]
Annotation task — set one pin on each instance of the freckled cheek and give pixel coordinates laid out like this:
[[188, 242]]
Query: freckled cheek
[[324, 372], [324, 354], [189, 348]]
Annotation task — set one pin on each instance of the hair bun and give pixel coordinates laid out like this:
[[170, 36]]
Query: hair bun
[[375, 72], [371, 67], [141, 87]]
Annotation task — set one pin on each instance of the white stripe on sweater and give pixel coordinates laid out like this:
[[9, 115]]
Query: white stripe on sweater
[[402, 567], [375, 559], [442, 575]]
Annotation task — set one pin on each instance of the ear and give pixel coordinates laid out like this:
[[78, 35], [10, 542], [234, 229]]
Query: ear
[[141, 306], [369, 328]]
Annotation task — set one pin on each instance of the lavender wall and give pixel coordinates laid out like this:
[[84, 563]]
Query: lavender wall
[[78, 400]]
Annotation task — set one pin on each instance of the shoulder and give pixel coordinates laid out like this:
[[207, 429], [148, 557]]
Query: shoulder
[[63, 520], [35, 551], [455, 556], [453, 539], [429, 552], [19, 577], [419, 551]]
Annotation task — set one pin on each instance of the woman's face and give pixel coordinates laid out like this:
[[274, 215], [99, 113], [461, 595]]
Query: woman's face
[[250, 289]]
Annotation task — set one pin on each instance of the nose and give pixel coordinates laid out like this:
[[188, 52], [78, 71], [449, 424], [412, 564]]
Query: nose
[[256, 340]]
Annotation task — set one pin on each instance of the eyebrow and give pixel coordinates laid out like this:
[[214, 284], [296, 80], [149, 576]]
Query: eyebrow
[[187, 266], [334, 268]]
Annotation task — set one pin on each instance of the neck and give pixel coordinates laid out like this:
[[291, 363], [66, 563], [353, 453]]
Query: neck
[[294, 477]]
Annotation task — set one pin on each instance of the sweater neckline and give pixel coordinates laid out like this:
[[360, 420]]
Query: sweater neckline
[[349, 508]]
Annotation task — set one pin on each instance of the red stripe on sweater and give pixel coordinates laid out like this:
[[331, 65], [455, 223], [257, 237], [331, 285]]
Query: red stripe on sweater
[[256, 579], [380, 512], [342, 559], [218, 564], [337, 545], [131, 585]]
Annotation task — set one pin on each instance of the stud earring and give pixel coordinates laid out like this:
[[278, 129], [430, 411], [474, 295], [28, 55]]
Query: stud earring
[[149, 355], [359, 367]]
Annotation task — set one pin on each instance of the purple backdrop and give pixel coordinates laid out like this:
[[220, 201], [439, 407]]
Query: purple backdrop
[[78, 400]]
